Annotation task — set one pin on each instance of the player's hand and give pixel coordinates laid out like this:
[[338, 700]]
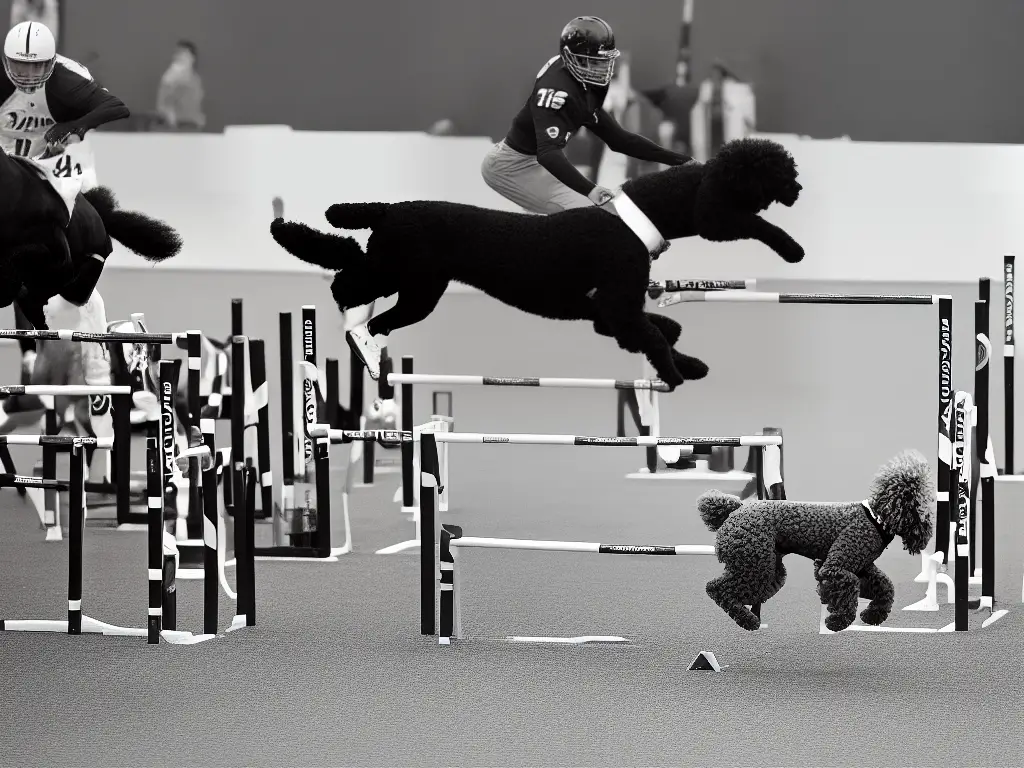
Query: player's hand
[[60, 133], [600, 195]]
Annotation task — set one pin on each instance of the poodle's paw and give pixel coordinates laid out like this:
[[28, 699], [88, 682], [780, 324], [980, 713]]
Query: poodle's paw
[[791, 251], [746, 619], [837, 622], [671, 378], [691, 368], [875, 614]]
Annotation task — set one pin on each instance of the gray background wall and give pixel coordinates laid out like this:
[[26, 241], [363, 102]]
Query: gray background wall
[[913, 70]]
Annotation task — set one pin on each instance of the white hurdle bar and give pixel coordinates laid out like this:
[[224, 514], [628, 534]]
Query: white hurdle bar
[[439, 542], [407, 493]]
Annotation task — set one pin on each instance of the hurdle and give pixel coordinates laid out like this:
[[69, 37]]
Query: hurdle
[[441, 542], [125, 518], [161, 552], [965, 413], [301, 523], [934, 565], [407, 380], [647, 412]]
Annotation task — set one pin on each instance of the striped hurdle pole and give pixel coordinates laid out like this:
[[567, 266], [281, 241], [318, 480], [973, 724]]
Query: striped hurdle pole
[[1009, 266], [430, 481]]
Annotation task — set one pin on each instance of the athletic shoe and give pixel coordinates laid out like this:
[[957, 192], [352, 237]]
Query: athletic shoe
[[366, 348]]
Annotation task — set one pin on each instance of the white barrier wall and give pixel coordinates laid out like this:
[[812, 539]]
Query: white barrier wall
[[875, 212]]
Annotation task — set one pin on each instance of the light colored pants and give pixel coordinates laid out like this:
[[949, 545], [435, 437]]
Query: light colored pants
[[58, 363], [521, 179]]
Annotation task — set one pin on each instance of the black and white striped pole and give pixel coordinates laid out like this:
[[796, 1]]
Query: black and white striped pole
[[942, 516], [1009, 264]]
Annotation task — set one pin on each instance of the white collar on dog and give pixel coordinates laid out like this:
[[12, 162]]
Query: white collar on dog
[[874, 517], [637, 221]]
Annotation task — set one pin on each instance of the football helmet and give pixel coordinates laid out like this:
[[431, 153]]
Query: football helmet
[[30, 53], [588, 49]]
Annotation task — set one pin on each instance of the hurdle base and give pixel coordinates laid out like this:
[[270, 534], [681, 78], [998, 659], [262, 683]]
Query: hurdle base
[[823, 630], [994, 618], [54, 533], [1003, 478], [582, 640], [402, 546], [132, 527], [691, 475], [95, 627], [293, 553]]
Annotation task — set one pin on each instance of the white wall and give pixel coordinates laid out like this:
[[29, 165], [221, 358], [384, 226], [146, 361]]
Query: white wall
[[869, 211]]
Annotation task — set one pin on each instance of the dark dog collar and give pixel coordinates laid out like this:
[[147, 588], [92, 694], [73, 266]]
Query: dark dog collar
[[642, 226], [877, 522]]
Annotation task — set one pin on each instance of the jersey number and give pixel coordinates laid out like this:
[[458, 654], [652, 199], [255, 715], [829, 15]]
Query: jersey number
[[22, 147], [550, 98], [65, 167]]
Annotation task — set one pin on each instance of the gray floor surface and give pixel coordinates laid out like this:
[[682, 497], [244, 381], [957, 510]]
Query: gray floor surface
[[335, 673]]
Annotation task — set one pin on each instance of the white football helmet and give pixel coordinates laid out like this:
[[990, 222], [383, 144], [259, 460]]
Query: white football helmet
[[30, 53]]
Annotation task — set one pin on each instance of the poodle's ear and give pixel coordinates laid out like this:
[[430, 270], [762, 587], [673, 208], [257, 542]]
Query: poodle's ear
[[715, 507], [903, 496]]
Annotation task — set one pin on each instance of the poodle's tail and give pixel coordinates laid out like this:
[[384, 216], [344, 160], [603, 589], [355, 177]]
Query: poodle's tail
[[356, 215], [149, 238], [322, 249], [715, 508]]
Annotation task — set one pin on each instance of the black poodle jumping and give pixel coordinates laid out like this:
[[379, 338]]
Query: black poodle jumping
[[580, 264]]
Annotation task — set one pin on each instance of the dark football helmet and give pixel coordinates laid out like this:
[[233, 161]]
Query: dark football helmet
[[588, 49]]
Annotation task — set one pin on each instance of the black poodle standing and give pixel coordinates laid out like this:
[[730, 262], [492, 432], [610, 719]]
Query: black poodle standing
[[580, 264]]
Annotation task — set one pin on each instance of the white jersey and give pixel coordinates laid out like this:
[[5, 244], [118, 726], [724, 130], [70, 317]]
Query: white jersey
[[25, 117], [24, 120]]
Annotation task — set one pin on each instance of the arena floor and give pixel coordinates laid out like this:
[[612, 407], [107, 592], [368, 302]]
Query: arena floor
[[335, 673]]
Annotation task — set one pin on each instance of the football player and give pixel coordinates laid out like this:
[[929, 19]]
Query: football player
[[529, 166]]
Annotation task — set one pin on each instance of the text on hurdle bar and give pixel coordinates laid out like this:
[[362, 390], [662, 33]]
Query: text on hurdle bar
[[100, 338], [525, 381], [765, 297], [583, 546], [69, 441], [531, 439]]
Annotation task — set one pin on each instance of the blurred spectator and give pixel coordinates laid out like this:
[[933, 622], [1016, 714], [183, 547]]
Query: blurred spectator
[[445, 127], [46, 12], [180, 98]]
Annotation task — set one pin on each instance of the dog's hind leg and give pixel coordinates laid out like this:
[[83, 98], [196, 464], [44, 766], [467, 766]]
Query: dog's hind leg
[[357, 286], [416, 300], [878, 588], [669, 328]]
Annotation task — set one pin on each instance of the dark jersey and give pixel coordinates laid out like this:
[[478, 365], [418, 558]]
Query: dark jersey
[[556, 109]]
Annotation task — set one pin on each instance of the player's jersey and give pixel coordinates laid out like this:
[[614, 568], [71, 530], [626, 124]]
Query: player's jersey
[[26, 117], [79, 69], [557, 108]]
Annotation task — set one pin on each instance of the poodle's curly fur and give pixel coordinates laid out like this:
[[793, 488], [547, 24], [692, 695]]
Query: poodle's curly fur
[[580, 264], [842, 539]]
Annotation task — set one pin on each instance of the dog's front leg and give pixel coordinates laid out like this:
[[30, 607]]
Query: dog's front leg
[[839, 590], [634, 332], [878, 588], [749, 226]]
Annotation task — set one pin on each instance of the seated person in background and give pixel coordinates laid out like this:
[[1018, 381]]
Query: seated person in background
[[529, 166], [179, 101]]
